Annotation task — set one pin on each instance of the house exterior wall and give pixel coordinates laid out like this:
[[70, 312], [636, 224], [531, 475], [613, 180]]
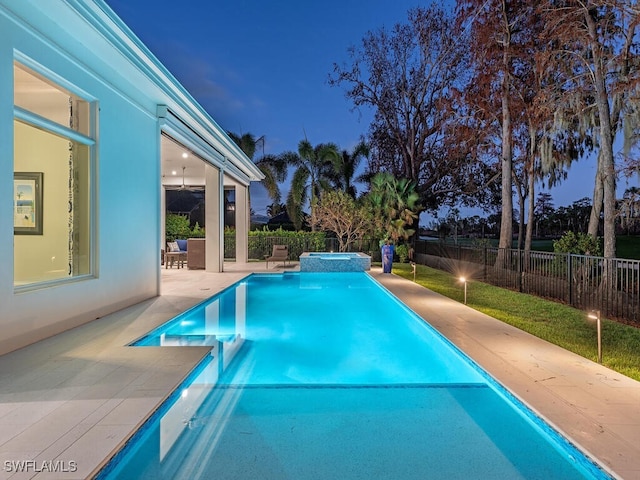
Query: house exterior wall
[[125, 193], [67, 39]]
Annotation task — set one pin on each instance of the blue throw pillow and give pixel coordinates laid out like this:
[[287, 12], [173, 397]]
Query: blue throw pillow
[[182, 244]]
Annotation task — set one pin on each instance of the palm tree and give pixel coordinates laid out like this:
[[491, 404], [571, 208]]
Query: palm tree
[[345, 168], [246, 142], [394, 203], [314, 167], [273, 167], [275, 209]]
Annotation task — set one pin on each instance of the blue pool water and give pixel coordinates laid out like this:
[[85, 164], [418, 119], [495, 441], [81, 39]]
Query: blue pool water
[[319, 375]]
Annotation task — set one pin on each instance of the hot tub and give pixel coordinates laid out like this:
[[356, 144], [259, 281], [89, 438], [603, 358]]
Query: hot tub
[[334, 262]]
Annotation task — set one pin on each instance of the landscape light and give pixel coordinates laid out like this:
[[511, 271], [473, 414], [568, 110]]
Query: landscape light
[[464, 280], [595, 315], [413, 266]]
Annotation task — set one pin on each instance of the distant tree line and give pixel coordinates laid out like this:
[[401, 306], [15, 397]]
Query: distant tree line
[[550, 222]]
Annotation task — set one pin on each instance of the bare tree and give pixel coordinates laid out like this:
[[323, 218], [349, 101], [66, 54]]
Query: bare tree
[[338, 212], [498, 30], [406, 76]]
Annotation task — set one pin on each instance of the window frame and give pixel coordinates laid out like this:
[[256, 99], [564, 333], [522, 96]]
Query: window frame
[[39, 122]]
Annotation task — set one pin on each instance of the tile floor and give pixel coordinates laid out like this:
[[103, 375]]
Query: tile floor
[[69, 401]]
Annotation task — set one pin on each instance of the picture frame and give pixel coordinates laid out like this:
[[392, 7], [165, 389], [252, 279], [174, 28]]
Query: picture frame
[[27, 203]]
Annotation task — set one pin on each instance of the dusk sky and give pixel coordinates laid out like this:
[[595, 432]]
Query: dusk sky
[[261, 67]]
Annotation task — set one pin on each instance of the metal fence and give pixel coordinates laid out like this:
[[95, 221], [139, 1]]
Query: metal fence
[[611, 285]]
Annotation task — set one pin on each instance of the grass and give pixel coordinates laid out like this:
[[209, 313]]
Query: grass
[[628, 246], [554, 322]]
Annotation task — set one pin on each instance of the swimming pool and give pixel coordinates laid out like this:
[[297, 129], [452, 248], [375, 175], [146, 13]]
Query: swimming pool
[[319, 375]]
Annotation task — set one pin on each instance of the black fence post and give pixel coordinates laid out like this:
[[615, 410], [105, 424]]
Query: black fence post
[[569, 277], [520, 273], [484, 263]]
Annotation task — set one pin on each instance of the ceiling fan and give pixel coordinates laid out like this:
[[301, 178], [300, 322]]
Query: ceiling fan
[[183, 186]]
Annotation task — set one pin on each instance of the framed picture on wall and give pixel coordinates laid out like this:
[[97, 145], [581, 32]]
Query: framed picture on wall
[[27, 203]]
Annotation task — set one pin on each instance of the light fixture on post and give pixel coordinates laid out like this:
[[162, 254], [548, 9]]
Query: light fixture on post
[[595, 315], [464, 280], [413, 266]]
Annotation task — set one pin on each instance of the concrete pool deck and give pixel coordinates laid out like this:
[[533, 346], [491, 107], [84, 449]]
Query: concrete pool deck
[[67, 402]]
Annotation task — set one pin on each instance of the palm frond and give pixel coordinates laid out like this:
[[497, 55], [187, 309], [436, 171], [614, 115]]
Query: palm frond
[[297, 196]]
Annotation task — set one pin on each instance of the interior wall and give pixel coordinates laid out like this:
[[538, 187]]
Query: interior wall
[[45, 256]]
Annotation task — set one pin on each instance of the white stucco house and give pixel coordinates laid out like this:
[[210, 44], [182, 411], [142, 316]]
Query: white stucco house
[[93, 128]]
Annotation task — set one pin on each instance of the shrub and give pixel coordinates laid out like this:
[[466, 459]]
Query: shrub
[[177, 226], [261, 242], [197, 232], [578, 244], [403, 253]]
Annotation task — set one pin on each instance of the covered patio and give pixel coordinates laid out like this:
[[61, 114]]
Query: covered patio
[[188, 164]]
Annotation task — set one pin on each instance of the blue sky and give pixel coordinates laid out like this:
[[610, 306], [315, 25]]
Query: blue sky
[[262, 67]]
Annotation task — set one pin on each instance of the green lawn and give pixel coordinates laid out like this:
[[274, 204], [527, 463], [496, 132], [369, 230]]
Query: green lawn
[[628, 246], [557, 323]]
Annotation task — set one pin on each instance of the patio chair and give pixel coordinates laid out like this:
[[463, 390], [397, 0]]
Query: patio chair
[[280, 253], [176, 252]]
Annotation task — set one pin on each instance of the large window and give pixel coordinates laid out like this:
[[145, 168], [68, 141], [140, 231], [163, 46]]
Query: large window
[[53, 172]]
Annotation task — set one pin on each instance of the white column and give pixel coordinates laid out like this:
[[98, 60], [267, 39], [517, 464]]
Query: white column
[[214, 229], [242, 224], [163, 217]]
